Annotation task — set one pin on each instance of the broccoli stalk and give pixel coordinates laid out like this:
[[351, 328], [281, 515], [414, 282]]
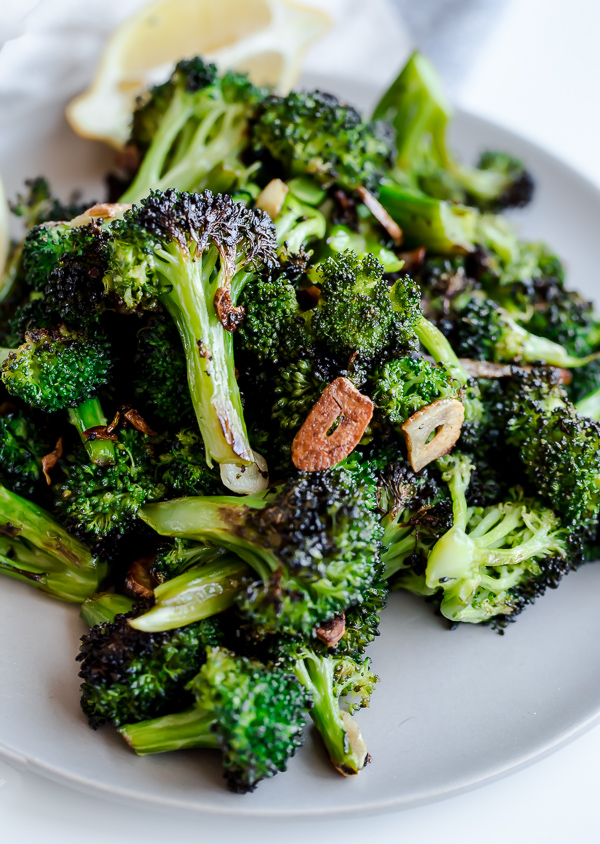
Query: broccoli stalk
[[326, 678], [590, 405], [200, 592], [189, 126], [419, 111], [253, 714], [62, 368], [297, 224], [489, 554], [193, 254], [34, 548], [444, 227]]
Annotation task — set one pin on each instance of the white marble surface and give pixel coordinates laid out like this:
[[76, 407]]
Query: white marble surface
[[537, 74]]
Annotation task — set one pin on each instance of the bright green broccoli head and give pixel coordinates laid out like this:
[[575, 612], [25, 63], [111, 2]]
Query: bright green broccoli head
[[183, 467], [130, 675], [99, 501], [273, 329], [57, 368], [314, 134], [403, 386], [38, 205], [355, 312], [253, 714]]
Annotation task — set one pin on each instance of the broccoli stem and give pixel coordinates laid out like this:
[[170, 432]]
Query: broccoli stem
[[103, 607], [88, 415], [198, 593], [590, 405], [444, 227], [298, 223], [516, 343], [216, 520], [317, 675], [440, 349], [183, 731], [208, 351], [149, 174], [34, 548]]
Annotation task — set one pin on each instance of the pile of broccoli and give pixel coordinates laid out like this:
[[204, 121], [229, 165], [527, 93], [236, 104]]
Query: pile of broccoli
[[302, 361]]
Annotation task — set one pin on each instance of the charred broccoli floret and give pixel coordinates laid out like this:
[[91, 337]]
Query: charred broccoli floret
[[485, 331], [130, 675], [559, 449], [36, 549], [193, 254], [313, 544], [314, 134], [192, 129], [62, 368], [253, 714]]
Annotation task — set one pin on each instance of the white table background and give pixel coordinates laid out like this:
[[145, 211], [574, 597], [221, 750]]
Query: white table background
[[538, 73]]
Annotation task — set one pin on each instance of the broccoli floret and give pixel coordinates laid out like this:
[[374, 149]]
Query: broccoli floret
[[193, 254], [366, 240], [175, 556], [62, 368], [416, 106], [254, 715], [192, 130], [99, 501], [313, 544], [36, 549], [296, 225], [273, 330], [296, 387], [559, 449], [160, 382], [355, 312], [130, 675], [485, 331], [39, 205], [403, 386], [329, 680], [21, 451], [493, 559], [184, 470], [314, 134]]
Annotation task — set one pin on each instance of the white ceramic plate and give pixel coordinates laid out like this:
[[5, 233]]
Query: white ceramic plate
[[453, 709]]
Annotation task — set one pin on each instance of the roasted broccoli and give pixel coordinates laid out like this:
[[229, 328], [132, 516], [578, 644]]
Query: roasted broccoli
[[36, 549], [313, 544], [312, 133], [403, 386], [21, 451], [191, 131], [63, 368], [416, 106], [193, 254], [130, 675], [253, 714]]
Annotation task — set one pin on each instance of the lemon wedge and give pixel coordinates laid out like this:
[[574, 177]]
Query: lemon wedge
[[265, 38]]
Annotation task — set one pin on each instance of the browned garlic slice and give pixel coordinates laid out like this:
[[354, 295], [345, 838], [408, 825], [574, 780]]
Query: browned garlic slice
[[446, 416], [314, 449], [272, 197]]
